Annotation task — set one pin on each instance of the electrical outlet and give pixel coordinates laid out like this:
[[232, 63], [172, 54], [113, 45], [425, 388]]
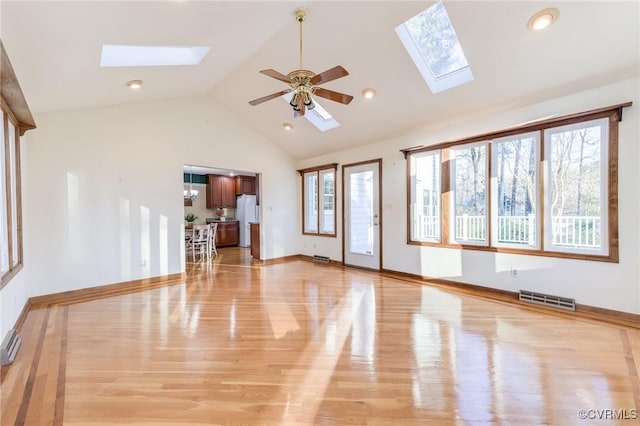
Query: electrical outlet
[[514, 272]]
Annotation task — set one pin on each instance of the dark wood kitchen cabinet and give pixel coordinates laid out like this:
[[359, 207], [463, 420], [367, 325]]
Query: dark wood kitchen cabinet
[[221, 191], [228, 234], [254, 228], [245, 185]]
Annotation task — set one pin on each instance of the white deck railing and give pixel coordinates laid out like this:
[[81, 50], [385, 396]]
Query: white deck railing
[[572, 231], [576, 231]]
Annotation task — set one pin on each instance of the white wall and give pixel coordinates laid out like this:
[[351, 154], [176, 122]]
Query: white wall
[[606, 285], [105, 189]]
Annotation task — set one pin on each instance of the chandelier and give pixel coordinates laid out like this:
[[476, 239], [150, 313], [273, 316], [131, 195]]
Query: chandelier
[[190, 194]]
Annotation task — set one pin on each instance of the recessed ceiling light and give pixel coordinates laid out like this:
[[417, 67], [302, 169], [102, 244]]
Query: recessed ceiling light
[[287, 126], [134, 84], [369, 93], [543, 19]]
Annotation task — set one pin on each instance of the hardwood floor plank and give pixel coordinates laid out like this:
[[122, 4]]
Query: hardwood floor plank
[[28, 388], [17, 374], [299, 343], [58, 414]]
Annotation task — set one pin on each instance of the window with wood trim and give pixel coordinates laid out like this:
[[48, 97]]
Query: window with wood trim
[[425, 196], [548, 188], [16, 119], [319, 200], [10, 212]]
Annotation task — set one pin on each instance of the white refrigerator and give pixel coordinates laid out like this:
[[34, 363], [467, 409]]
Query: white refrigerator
[[246, 211]]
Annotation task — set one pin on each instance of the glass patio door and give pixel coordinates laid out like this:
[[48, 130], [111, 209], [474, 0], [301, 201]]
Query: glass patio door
[[362, 219]]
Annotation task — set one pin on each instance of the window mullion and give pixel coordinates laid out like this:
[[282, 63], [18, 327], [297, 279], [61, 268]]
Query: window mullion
[[446, 199], [488, 191], [542, 188], [319, 206]]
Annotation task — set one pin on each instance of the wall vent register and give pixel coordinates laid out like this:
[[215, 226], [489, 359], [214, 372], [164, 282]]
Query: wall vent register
[[9, 348], [547, 300]]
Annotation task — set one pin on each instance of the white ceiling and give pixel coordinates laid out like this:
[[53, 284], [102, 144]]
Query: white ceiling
[[55, 49]]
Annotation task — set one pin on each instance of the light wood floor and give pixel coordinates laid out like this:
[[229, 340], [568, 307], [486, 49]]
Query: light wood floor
[[299, 343]]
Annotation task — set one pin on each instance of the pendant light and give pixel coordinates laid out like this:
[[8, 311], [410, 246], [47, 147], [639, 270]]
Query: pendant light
[[190, 194]]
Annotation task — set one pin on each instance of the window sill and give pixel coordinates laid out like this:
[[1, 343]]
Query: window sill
[[9, 275], [314, 234], [611, 258]]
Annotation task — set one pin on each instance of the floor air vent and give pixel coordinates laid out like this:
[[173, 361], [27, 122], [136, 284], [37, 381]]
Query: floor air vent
[[548, 300], [320, 259], [9, 347]]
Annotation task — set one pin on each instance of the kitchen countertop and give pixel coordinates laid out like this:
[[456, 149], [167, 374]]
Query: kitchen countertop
[[220, 221]]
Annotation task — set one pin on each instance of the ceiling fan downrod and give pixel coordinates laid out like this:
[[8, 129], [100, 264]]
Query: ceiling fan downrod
[[300, 15]]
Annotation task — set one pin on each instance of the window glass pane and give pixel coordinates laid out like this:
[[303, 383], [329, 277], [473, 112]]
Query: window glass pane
[[327, 220], [432, 44], [4, 235], [311, 202], [361, 211], [433, 34], [425, 197], [578, 181], [11, 137], [514, 165], [470, 199]]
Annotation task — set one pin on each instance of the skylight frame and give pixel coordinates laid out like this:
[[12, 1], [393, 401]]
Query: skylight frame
[[122, 55], [437, 83]]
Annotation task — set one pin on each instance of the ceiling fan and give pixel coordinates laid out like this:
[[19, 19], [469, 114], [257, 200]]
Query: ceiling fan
[[304, 83]]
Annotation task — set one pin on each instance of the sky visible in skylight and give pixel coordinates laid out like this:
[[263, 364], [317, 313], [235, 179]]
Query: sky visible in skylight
[[433, 34], [117, 55], [433, 45]]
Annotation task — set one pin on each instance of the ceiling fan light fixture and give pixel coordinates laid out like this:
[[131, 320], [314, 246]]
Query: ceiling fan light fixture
[[307, 99]]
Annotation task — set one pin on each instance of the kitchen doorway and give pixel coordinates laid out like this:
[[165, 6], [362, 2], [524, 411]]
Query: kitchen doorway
[[230, 198]]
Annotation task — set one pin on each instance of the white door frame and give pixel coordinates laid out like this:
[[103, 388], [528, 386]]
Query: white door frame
[[345, 193]]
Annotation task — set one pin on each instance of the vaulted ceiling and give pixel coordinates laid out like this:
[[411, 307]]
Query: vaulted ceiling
[[55, 49]]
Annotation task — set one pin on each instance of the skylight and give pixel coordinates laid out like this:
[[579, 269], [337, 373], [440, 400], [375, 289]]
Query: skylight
[[432, 43], [318, 116], [114, 55]]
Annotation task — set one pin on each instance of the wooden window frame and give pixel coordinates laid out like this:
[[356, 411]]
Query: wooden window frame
[[612, 113], [318, 170], [14, 109]]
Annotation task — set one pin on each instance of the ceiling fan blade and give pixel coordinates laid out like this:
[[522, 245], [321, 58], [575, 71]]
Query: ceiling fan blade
[[329, 75], [332, 96], [275, 74], [268, 97]]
